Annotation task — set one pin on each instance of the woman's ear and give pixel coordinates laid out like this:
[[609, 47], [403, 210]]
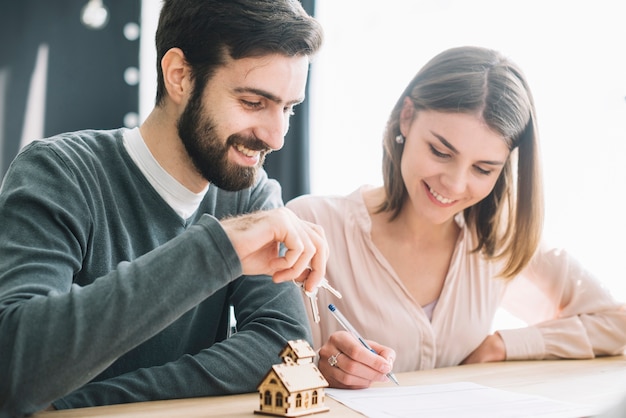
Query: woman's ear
[[176, 75], [406, 116]]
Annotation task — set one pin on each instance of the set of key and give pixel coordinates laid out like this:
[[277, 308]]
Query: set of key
[[313, 296]]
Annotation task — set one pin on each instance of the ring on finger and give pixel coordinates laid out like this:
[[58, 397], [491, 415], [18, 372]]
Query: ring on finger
[[332, 360]]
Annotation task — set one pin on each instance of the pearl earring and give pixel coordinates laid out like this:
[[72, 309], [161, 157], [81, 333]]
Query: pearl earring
[[400, 139]]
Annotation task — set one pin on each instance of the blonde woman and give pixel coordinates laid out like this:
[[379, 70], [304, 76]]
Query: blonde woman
[[426, 260]]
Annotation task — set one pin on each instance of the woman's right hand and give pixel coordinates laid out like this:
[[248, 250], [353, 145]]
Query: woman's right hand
[[355, 367]]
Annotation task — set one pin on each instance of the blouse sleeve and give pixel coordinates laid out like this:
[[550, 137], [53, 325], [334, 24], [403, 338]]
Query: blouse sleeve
[[570, 314]]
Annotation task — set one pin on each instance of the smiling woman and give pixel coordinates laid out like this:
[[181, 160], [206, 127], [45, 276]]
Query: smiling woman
[[453, 235], [578, 83]]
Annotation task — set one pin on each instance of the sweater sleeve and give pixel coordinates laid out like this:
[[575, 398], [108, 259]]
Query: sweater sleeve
[[268, 315], [54, 342], [570, 314]]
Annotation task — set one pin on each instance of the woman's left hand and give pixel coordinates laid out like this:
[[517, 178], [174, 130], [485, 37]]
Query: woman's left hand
[[491, 349]]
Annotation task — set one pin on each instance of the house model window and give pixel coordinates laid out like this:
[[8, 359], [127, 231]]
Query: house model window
[[295, 387]]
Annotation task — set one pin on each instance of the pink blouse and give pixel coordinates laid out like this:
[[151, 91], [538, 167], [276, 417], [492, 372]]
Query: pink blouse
[[570, 314]]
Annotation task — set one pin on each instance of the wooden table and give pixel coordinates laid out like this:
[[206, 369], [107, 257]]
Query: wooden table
[[600, 382]]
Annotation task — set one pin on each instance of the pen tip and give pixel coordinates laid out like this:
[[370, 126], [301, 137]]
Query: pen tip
[[331, 307]]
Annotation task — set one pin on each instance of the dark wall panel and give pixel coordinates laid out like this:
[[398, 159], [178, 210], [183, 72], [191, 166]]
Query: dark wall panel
[[85, 79]]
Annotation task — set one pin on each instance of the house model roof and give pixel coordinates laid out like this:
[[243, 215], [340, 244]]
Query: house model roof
[[300, 377], [301, 350]]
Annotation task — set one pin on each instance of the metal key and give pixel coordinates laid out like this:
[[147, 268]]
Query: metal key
[[324, 283], [313, 300], [313, 297]]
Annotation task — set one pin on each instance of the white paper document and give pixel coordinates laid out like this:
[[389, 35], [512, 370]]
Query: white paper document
[[462, 399]]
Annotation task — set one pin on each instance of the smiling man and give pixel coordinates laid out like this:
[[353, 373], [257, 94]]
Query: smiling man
[[122, 251]]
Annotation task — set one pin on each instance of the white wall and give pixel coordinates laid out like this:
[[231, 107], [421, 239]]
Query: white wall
[[147, 56]]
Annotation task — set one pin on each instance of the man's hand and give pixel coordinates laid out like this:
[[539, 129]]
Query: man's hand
[[257, 236], [491, 349], [355, 367]]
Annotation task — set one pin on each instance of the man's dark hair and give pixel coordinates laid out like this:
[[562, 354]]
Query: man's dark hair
[[209, 31]]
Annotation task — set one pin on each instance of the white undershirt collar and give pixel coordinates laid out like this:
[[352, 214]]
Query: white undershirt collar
[[181, 199]]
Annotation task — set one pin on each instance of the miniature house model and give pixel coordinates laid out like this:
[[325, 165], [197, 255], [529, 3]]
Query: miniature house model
[[295, 387]]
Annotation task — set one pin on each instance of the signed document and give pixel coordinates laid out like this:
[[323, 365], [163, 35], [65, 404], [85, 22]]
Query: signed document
[[462, 399]]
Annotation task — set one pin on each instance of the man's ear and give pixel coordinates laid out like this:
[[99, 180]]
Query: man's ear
[[406, 115], [176, 75]]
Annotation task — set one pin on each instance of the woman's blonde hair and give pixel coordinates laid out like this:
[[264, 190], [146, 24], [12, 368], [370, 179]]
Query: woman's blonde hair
[[475, 80]]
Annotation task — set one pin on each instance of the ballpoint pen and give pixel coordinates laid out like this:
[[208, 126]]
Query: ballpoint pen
[[348, 327]]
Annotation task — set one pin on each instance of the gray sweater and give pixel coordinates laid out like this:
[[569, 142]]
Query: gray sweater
[[108, 296]]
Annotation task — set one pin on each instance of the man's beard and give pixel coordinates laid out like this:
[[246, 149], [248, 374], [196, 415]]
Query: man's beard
[[210, 155]]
